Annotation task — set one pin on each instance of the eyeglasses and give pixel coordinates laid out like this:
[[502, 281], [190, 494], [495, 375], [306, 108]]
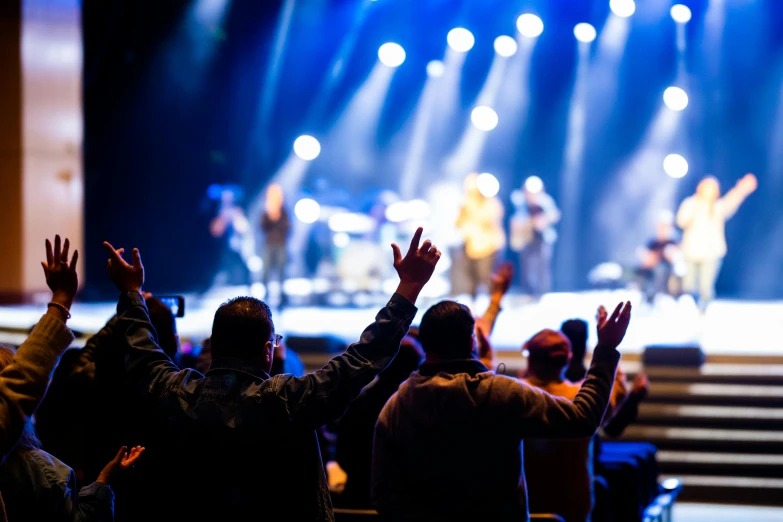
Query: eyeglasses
[[276, 338]]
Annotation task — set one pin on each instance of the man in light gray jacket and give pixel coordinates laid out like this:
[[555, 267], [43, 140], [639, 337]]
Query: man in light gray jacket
[[448, 444]]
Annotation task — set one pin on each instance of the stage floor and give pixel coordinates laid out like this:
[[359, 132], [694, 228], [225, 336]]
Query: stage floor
[[728, 328]]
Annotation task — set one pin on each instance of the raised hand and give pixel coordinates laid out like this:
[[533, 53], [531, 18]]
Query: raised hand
[[501, 279], [611, 331], [416, 268], [748, 183], [121, 462], [641, 385], [485, 351], [127, 278], [61, 275]]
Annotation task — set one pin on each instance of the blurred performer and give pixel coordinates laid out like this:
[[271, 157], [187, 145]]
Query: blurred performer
[[659, 258], [480, 221], [533, 235], [275, 225], [702, 217], [232, 227]]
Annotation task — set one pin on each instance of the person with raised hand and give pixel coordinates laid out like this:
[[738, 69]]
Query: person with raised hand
[[429, 462], [247, 437], [23, 382]]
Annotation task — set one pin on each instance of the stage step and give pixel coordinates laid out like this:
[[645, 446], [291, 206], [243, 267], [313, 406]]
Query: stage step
[[720, 464], [716, 394], [696, 415], [730, 490], [707, 439]]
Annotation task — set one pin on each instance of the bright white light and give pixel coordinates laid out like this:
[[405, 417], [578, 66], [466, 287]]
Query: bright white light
[[675, 165], [255, 264], [584, 32], [400, 211], [488, 185], [435, 69], [307, 210], [352, 222], [391, 54], [680, 13], [530, 25], [307, 147], [341, 240], [484, 118], [675, 98], [505, 46], [298, 286], [622, 8], [460, 39], [534, 185]]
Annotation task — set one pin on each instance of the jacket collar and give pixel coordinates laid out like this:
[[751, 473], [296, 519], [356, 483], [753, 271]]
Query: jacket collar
[[452, 366], [235, 364]]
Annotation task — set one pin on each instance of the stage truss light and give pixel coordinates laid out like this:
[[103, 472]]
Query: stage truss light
[[307, 147], [488, 185], [675, 165], [505, 46], [530, 25], [534, 185], [484, 118], [622, 8], [680, 13], [435, 69], [460, 39], [391, 54], [675, 98], [307, 210], [584, 32]]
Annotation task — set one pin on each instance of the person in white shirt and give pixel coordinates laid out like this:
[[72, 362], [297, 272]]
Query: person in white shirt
[[702, 218]]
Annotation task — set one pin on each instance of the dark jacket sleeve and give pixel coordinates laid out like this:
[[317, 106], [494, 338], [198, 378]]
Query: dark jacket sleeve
[[23, 383], [322, 396], [147, 367], [538, 414], [96, 345], [625, 414], [94, 503]]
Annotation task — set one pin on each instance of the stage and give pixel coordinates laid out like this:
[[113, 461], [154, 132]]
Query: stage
[[728, 328]]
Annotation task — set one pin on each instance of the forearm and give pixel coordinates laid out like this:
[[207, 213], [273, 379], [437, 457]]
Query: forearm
[[23, 383], [95, 503], [487, 321], [145, 362], [624, 416]]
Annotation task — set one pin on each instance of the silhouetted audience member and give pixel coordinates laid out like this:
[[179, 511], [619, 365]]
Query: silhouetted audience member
[[356, 428], [37, 486], [559, 472], [430, 461], [243, 443], [25, 378], [576, 332]]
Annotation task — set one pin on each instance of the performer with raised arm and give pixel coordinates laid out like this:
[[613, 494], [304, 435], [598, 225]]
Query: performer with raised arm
[[231, 226], [702, 218], [275, 225], [533, 235], [480, 221]]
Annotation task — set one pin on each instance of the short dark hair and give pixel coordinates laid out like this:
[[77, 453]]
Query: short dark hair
[[576, 331], [549, 349], [165, 324], [241, 325], [406, 361], [446, 330]]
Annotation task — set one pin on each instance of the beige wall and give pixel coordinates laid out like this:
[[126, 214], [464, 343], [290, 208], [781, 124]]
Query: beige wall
[[52, 178]]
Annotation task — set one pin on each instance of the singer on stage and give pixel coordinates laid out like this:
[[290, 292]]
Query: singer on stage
[[481, 223], [702, 218], [275, 225]]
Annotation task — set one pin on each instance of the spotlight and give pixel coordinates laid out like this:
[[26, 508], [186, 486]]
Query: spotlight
[[488, 185], [307, 210], [460, 39], [680, 13], [391, 54], [675, 98], [675, 165], [622, 8], [307, 147], [584, 32], [341, 240], [534, 185], [505, 46], [530, 25], [484, 118], [435, 69]]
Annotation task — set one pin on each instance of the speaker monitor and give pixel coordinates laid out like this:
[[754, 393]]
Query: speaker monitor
[[673, 355]]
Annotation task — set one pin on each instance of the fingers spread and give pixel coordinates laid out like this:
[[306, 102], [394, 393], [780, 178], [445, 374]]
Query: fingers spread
[[136, 258], [425, 247], [114, 255], [616, 313], [74, 259], [49, 254], [121, 454], [57, 248], [416, 239]]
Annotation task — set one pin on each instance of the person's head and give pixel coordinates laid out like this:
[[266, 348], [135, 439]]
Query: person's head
[[532, 188], [549, 353], [576, 332], [243, 328], [274, 196], [29, 439], [446, 331], [407, 360], [708, 189], [471, 186], [165, 325]]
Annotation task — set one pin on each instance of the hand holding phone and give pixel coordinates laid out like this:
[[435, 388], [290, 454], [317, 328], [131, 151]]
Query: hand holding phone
[[175, 302]]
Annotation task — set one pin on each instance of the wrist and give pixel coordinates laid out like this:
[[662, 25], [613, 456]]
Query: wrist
[[409, 290], [63, 298]]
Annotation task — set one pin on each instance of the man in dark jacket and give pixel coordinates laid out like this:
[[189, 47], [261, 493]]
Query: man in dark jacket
[[243, 444], [448, 444]]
